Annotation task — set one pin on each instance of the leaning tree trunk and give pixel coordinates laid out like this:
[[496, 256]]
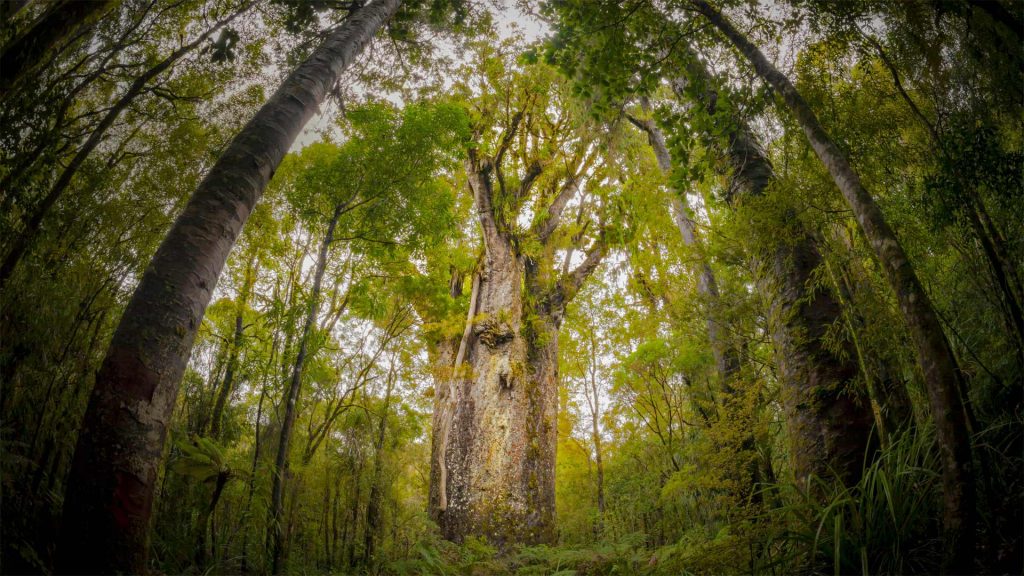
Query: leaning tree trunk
[[942, 376], [110, 488], [829, 418], [28, 51]]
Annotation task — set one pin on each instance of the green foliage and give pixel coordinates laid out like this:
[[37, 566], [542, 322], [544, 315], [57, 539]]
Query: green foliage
[[199, 458], [886, 524], [695, 472]]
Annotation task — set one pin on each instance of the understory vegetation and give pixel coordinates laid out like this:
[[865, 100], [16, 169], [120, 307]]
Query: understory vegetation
[[459, 287]]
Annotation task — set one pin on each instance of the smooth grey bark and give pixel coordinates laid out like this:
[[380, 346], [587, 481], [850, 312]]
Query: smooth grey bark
[[829, 418], [120, 445], [942, 376], [24, 240]]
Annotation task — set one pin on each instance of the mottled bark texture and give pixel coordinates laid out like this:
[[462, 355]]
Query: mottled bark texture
[[493, 467], [942, 376], [828, 413], [120, 445], [28, 51]]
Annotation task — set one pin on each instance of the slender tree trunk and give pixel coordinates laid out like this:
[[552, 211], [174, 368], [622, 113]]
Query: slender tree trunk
[[201, 413], [598, 456], [252, 479], [887, 389], [973, 209], [236, 345], [373, 504], [829, 420], [354, 514], [294, 386], [120, 445], [727, 359], [28, 51], [941, 374], [328, 506], [1012, 311], [23, 241], [203, 525]]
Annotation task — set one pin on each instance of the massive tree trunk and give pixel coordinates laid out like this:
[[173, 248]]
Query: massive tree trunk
[[498, 456], [828, 411], [942, 376], [829, 416], [28, 51], [496, 428], [110, 489], [291, 400]]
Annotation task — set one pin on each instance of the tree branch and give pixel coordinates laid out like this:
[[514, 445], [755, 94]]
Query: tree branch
[[503, 145], [570, 284], [547, 227], [478, 175]]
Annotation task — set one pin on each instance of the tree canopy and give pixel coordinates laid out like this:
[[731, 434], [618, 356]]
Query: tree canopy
[[544, 287]]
